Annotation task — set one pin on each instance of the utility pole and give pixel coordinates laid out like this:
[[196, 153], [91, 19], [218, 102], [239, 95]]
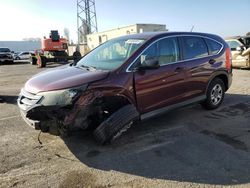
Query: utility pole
[[86, 19]]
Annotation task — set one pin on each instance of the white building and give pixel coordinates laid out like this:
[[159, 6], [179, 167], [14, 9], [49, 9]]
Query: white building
[[95, 39]]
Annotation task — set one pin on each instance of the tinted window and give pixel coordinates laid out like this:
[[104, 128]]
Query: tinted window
[[214, 47], [165, 51], [233, 44], [4, 50], [194, 47], [168, 51]]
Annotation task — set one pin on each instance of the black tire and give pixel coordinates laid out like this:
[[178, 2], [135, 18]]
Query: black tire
[[43, 61], [33, 60], [112, 126], [215, 94]]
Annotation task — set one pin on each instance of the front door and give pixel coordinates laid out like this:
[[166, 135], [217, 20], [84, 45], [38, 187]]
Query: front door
[[162, 86]]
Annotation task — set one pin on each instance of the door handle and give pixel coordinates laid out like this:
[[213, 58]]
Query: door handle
[[212, 61]]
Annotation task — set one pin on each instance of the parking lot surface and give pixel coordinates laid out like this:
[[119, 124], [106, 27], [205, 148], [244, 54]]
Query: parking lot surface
[[188, 147]]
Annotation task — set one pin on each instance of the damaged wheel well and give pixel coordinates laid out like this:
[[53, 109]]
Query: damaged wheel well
[[102, 108], [112, 103]]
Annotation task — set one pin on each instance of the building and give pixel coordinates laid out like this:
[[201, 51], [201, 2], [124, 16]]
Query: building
[[95, 39], [21, 46]]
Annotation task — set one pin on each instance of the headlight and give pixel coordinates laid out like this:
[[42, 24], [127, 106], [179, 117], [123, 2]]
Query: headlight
[[61, 97]]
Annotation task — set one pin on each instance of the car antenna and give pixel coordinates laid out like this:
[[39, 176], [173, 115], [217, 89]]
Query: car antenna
[[192, 29]]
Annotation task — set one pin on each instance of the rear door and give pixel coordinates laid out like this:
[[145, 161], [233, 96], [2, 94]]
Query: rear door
[[200, 63], [165, 85]]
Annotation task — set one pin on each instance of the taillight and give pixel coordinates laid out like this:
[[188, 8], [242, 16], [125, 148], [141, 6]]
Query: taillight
[[228, 60]]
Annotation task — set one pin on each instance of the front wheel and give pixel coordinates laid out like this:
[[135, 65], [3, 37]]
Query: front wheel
[[215, 94], [118, 123]]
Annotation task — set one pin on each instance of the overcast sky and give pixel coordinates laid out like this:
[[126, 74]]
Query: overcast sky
[[35, 18]]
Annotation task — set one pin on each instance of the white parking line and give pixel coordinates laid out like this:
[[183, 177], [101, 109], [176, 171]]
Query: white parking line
[[7, 118]]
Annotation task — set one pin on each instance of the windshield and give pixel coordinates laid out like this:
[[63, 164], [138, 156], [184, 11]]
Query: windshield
[[111, 54], [4, 50]]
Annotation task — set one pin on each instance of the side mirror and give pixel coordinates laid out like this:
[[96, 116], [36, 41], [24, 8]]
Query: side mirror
[[148, 63]]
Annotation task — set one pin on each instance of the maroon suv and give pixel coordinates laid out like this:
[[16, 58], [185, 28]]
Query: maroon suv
[[129, 79]]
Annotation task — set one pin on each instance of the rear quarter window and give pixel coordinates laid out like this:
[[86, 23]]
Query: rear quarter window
[[194, 47], [213, 46]]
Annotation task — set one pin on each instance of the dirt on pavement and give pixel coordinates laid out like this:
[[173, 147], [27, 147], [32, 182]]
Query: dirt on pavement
[[188, 147]]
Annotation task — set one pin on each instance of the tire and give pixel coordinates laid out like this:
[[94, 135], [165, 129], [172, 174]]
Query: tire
[[215, 94], [43, 62], [116, 124], [33, 60]]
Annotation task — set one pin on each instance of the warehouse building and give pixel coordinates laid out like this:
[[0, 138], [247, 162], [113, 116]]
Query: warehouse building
[[95, 39]]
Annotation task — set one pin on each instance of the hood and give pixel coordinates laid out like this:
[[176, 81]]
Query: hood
[[62, 78]]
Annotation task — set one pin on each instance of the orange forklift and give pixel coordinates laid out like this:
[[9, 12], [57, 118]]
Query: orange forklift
[[54, 49]]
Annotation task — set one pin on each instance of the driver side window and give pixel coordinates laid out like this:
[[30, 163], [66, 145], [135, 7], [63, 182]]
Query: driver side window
[[165, 51]]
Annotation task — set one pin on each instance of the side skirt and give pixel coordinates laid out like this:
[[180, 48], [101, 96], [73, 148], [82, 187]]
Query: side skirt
[[171, 107]]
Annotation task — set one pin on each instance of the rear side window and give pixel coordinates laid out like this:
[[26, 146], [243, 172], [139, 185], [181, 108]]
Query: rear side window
[[194, 47], [213, 46]]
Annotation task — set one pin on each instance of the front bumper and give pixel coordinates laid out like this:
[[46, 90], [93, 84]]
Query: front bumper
[[40, 116], [33, 123], [6, 59], [27, 102]]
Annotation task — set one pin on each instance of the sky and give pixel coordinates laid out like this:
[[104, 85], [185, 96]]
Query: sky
[[21, 19]]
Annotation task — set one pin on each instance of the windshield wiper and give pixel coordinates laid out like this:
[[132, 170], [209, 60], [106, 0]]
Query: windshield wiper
[[88, 67]]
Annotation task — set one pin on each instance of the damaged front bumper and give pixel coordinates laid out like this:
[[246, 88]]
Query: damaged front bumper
[[60, 114], [32, 111]]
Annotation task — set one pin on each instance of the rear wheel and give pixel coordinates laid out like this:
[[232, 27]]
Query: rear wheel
[[215, 94], [33, 60], [41, 63]]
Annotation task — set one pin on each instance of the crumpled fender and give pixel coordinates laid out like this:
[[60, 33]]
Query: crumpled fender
[[82, 103]]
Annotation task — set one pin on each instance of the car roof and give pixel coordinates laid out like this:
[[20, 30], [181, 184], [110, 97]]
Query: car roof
[[149, 35], [236, 37]]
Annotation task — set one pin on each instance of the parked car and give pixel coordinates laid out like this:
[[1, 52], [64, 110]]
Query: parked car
[[23, 56], [127, 79], [6, 55], [240, 47]]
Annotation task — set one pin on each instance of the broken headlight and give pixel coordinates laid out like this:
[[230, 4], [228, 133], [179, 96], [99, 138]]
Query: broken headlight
[[61, 97]]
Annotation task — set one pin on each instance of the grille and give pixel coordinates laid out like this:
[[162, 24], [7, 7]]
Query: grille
[[4, 56], [27, 100]]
